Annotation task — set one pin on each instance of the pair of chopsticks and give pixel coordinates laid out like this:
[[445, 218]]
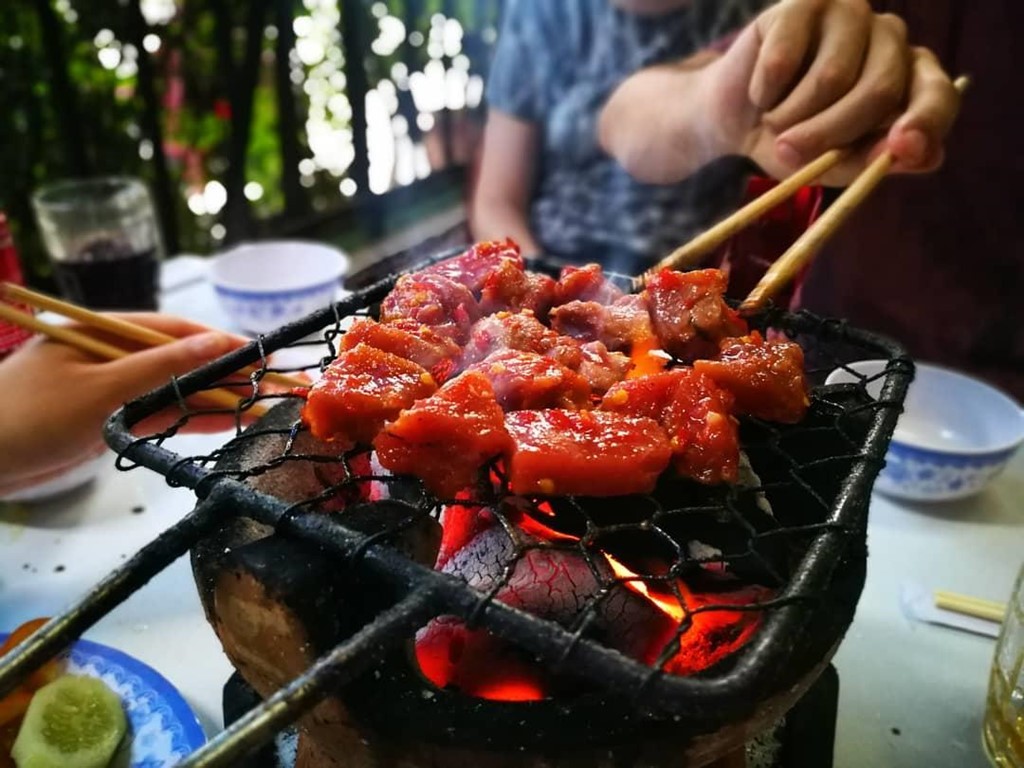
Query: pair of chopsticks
[[979, 608], [222, 398], [789, 265]]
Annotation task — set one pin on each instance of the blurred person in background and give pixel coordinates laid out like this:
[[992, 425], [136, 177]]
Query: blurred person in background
[[618, 129], [56, 398]]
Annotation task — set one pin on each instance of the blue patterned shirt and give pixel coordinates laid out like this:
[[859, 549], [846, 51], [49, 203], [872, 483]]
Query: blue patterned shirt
[[556, 63]]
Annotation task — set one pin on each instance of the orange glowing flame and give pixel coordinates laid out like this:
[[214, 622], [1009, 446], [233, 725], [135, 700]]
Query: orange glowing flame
[[536, 528], [667, 604], [647, 358]]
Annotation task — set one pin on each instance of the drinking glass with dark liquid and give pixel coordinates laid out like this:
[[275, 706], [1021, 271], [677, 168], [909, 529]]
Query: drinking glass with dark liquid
[[103, 240]]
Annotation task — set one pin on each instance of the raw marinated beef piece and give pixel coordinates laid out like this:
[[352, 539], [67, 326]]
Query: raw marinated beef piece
[[766, 377], [694, 412], [528, 381], [408, 339], [508, 288], [523, 332], [359, 391], [445, 439], [601, 368], [689, 313], [586, 283], [444, 305], [472, 267], [584, 453], [618, 325]]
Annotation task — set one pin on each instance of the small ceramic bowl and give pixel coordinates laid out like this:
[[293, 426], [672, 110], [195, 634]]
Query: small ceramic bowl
[[265, 285], [956, 433]]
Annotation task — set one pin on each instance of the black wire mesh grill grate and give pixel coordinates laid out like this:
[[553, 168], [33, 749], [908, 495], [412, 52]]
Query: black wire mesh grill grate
[[786, 529]]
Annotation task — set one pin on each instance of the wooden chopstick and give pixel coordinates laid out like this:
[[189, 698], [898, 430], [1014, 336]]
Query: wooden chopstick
[[789, 265], [222, 398], [690, 254], [119, 327], [977, 607]]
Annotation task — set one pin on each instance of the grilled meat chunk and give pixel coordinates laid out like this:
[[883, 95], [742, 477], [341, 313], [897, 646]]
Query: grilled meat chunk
[[584, 453], [363, 388], [689, 313], [696, 415], [766, 377], [445, 439], [528, 381]]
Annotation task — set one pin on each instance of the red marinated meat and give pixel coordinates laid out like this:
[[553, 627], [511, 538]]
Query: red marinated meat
[[618, 325], [689, 313], [704, 433], [444, 305], [695, 413], [602, 368], [521, 331], [406, 338], [509, 288], [584, 453], [586, 283], [445, 439], [767, 378], [528, 381], [472, 267], [360, 390]]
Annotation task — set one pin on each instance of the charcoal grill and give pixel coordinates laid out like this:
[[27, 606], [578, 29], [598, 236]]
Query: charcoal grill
[[817, 477]]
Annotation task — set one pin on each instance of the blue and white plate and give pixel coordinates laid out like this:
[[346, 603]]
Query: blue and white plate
[[162, 727]]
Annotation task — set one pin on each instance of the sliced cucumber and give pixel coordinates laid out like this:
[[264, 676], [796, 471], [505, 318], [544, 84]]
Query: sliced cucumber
[[74, 722]]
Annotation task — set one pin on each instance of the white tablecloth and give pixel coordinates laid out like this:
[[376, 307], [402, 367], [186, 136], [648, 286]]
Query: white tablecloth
[[911, 694]]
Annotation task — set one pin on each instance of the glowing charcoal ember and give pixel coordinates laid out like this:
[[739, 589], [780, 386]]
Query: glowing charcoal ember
[[710, 636], [584, 453], [586, 283], [551, 583], [766, 377], [618, 326], [528, 381], [508, 288], [446, 439], [444, 305], [602, 369], [472, 267], [520, 331], [477, 663], [460, 524], [407, 339], [363, 388], [715, 634], [696, 414], [689, 313]]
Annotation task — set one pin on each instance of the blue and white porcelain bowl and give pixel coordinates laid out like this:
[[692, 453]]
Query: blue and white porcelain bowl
[[955, 435], [265, 285]]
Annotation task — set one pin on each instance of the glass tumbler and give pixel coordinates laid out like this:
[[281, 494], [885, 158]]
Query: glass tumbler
[[1003, 728], [104, 241]]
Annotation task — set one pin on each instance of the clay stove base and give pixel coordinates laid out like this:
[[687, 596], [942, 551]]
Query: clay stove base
[[805, 739]]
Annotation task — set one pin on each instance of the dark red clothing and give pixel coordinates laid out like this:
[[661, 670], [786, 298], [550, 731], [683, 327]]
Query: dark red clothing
[[937, 261]]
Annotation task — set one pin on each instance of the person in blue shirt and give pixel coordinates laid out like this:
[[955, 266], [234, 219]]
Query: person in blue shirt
[[618, 129]]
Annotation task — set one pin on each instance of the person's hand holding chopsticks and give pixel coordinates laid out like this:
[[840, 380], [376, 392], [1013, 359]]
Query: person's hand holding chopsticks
[[55, 398], [806, 76]]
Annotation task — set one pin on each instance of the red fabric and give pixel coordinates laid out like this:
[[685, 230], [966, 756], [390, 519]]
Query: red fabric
[[748, 255]]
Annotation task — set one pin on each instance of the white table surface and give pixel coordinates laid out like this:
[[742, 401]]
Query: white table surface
[[926, 682]]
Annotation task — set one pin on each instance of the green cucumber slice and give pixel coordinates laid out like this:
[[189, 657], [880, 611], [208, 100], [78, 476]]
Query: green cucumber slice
[[74, 722]]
